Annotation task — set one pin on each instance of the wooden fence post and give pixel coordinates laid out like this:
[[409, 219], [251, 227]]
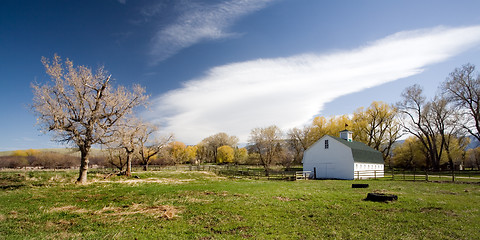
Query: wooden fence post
[[453, 174]]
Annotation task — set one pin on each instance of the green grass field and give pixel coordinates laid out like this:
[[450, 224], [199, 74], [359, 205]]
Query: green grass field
[[201, 205]]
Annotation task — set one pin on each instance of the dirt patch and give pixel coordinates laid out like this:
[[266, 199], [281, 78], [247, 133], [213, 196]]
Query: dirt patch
[[283, 199], [61, 224], [438, 209], [13, 214], [447, 192], [224, 193], [236, 230]]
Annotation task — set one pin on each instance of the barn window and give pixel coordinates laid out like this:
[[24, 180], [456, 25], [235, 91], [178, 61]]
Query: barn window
[[326, 144]]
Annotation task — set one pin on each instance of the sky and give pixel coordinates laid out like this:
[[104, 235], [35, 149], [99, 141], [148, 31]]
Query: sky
[[234, 65]]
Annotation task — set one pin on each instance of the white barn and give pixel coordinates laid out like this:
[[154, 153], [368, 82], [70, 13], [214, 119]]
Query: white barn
[[341, 158]]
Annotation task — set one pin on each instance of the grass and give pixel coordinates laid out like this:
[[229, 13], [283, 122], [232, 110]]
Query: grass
[[201, 205]]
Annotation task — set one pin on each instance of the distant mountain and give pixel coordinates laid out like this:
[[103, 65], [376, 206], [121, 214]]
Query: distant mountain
[[474, 143]]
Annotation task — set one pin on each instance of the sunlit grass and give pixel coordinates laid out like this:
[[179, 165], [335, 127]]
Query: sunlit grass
[[201, 205]]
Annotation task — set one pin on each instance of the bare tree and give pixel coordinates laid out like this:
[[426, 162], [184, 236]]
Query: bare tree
[[462, 87], [419, 121], [127, 137], [264, 142], [298, 141], [287, 155], [444, 119], [452, 134], [81, 107], [149, 148], [116, 157]]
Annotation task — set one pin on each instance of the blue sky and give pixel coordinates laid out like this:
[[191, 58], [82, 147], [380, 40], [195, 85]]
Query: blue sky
[[230, 66]]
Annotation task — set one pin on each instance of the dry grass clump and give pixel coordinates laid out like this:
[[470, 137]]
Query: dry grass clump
[[70, 209], [147, 180], [158, 211]]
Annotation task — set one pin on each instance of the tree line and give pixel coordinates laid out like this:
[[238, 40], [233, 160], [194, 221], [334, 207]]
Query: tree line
[[84, 108]]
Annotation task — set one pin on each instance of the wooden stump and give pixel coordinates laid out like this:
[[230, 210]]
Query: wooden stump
[[381, 197], [359, 185]]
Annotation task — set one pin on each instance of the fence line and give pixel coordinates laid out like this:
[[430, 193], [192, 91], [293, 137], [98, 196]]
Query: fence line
[[366, 174], [302, 175], [414, 175]]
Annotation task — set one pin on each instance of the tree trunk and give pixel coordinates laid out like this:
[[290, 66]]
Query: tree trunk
[[128, 172], [267, 173], [450, 161], [82, 178], [145, 167]]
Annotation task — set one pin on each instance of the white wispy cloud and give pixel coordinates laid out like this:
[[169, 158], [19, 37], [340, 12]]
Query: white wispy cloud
[[199, 23], [238, 97]]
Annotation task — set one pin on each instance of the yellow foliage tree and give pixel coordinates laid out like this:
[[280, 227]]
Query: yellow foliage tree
[[20, 153], [472, 159], [225, 154], [322, 126], [377, 126], [191, 152], [32, 152], [241, 155], [409, 154], [177, 152], [456, 150]]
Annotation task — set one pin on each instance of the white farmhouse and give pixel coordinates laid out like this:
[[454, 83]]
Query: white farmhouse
[[341, 158]]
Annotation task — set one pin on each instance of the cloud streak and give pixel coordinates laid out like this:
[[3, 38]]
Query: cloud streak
[[199, 23], [288, 92]]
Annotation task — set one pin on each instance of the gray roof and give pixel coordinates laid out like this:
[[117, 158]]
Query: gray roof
[[361, 152]]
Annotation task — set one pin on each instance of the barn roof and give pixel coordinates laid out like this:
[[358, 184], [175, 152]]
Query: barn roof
[[361, 152]]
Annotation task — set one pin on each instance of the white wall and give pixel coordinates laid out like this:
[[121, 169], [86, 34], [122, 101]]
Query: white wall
[[334, 162]]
